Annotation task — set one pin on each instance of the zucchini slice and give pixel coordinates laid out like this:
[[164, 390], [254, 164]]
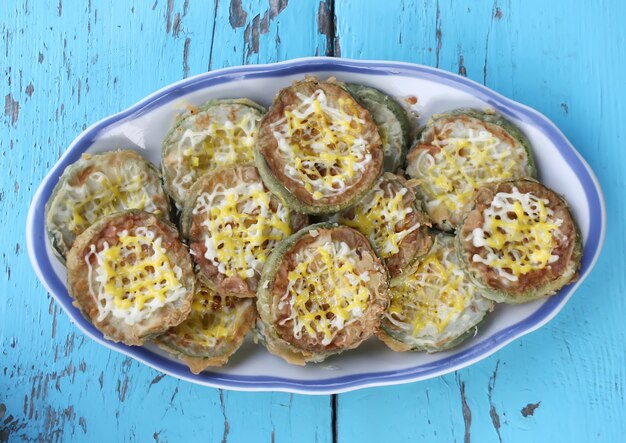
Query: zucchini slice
[[130, 275], [232, 222], [98, 185], [323, 291], [391, 119], [458, 152], [318, 148], [519, 241], [392, 219], [220, 133], [435, 308], [214, 330]]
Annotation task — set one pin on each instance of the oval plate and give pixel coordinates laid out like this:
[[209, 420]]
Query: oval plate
[[143, 126]]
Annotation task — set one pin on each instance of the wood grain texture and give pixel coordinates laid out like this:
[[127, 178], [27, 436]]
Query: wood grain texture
[[69, 63], [565, 382]]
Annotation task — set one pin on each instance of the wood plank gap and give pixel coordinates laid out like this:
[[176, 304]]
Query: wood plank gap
[[217, 5], [333, 416], [331, 38]]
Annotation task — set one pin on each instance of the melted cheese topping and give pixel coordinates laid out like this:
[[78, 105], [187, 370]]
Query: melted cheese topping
[[381, 218], [322, 144], [518, 235], [325, 292], [104, 194], [213, 319], [222, 135], [435, 296], [461, 161], [133, 278], [240, 227]]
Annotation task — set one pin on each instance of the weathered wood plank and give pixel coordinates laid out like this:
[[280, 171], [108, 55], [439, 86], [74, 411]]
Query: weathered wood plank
[[565, 382], [66, 65]]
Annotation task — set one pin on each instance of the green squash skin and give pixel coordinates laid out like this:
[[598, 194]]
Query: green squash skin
[[389, 335], [494, 119], [266, 286], [414, 261], [403, 347], [69, 171], [510, 128], [294, 203], [264, 330], [500, 296], [179, 120], [372, 99]]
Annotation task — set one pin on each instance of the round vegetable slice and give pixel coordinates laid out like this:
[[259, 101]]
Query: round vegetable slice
[[130, 275], [98, 185], [519, 241], [220, 133], [392, 219], [391, 119], [323, 291], [435, 308], [214, 330], [318, 148], [232, 222], [458, 152]]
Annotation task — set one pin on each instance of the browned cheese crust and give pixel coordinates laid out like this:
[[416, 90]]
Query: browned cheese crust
[[105, 231], [536, 282], [191, 340], [353, 334], [194, 229], [413, 245], [286, 101]]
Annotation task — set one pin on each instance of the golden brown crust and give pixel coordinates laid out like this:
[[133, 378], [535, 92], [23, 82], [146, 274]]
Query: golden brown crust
[[78, 283], [351, 335], [531, 284], [416, 243], [197, 355], [444, 217], [63, 229], [194, 229], [268, 145]]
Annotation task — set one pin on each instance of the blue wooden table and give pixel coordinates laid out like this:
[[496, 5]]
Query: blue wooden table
[[66, 64]]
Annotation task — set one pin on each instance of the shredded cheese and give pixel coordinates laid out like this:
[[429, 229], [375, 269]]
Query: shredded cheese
[[381, 217], [213, 317], [133, 278], [433, 297], [462, 158], [325, 292], [223, 135], [322, 145], [519, 234], [241, 227], [103, 194]]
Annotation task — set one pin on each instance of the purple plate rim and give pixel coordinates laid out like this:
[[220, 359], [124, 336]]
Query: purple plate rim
[[36, 239]]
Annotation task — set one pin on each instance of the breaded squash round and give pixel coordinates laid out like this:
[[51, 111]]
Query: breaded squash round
[[458, 152], [391, 218], [323, 291], [233, 222], [391, 119], [219, 133], [318, 148], [435, 308], [98, 185], [214, 330], [130, 275], [519, 242]]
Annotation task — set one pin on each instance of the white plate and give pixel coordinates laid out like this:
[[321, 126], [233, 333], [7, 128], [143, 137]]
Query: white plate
[[143, 126]]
